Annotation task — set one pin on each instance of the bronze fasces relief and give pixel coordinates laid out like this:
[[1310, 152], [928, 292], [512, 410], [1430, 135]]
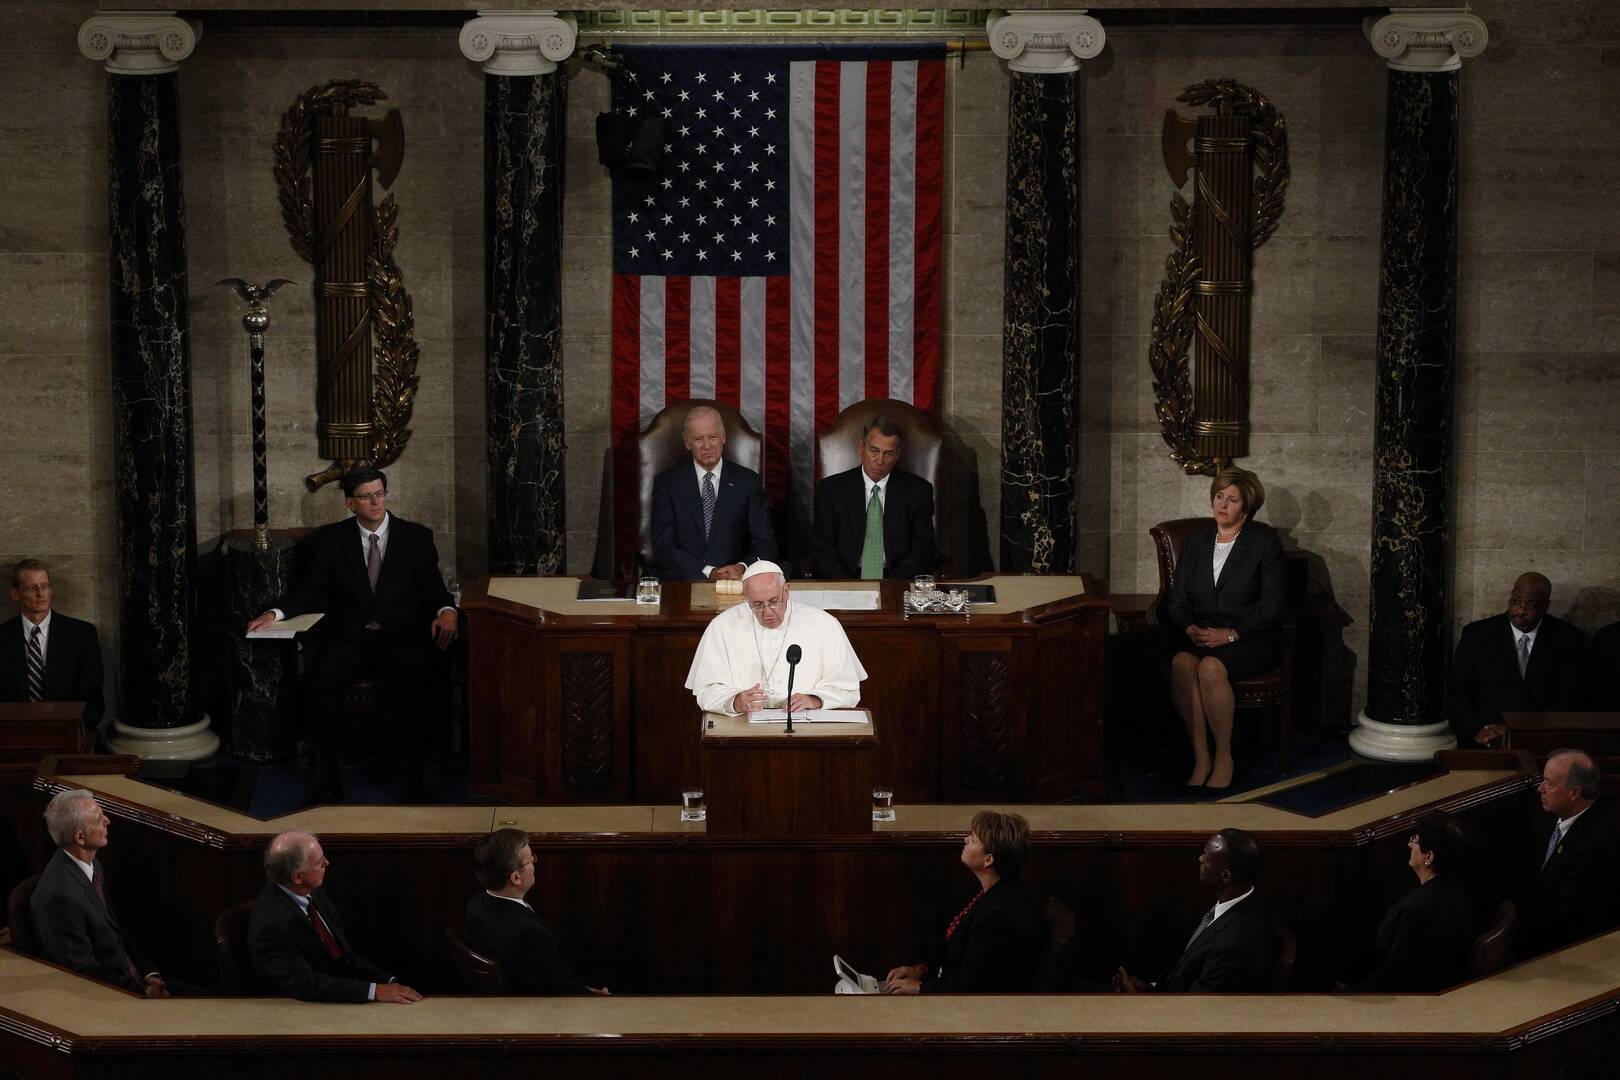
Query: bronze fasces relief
[[365, 335], [1238, 158]]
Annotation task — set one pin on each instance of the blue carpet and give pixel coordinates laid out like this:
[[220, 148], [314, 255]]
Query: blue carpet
[[1162, 777]]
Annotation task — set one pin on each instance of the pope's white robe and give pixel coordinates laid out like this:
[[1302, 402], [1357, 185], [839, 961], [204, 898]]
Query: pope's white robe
[[736, 652]]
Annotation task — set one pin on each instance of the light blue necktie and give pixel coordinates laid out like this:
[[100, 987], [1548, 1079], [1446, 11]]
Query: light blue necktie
[[1552, 845], [1524, 654]]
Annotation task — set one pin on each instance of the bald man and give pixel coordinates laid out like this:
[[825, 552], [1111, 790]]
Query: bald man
[[1520, 660]]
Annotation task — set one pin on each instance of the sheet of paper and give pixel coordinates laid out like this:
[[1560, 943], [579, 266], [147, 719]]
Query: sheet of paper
[[286, 628], [838, 599], [808, 716]]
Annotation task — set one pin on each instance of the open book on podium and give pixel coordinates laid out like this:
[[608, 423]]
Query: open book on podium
[[287, 628]]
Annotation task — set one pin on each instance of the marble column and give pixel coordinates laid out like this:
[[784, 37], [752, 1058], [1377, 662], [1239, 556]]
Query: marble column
[[1410, 645], [1040, 425], [156, 505], [524, 112]]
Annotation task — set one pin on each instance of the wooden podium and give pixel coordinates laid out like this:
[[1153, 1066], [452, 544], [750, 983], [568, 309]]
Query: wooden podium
[[760, 781]]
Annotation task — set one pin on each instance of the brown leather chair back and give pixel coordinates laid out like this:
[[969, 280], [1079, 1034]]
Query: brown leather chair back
[[23, 938], [1493, 947], [479, 974], [1054, 962], [920, 441], [231, 951], [1282, 972], [1169, 537], [661, 447]]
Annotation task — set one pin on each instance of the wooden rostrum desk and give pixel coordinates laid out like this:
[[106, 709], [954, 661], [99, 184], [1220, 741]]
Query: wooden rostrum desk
[[577, 702], [658, 908]]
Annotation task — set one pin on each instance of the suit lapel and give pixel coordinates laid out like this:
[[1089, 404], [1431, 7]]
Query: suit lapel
[[1241, 550], [329, 916], [353, 557], [723, 495]]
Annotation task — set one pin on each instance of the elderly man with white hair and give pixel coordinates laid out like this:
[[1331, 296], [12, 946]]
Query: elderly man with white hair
[[741, 663], [75, 922]]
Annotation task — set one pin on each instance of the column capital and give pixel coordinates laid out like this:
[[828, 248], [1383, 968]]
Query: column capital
[[519, 42], [139, 42], [1427, 40], [1045, 42]]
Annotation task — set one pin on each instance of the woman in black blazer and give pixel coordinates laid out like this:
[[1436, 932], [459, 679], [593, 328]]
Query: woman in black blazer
[[993, 944], [1225, 606], [1425, 940]]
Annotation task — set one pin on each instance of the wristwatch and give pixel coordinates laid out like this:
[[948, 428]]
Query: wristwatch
[[1230, 637]]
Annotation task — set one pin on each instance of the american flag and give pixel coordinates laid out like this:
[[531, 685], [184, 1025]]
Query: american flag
[[786, 261]]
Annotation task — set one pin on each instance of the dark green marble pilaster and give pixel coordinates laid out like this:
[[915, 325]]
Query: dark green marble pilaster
[[1417, 343], [1040, 346], [152, 447], [523, 142]]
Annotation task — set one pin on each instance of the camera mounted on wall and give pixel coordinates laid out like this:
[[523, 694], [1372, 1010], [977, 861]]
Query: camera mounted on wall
[[629, 142]]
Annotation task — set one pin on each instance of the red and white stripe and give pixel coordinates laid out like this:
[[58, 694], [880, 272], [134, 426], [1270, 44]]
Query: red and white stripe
[[856, 313]]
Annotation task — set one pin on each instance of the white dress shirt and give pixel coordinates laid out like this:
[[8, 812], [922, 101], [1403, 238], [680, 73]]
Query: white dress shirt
[[882, 490], [1519, 635]]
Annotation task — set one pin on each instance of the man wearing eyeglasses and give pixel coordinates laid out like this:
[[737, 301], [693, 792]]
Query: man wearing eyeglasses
[[45, 655], [741, 663], [376, 577]]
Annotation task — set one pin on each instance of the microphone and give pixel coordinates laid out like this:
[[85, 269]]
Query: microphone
[[794, 654]]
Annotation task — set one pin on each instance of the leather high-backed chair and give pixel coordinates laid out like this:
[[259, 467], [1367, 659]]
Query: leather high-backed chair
[[661, 447], [479, 974], [921, 447], [1267, 690], [18, 918], [231, 951], [1494, 946]]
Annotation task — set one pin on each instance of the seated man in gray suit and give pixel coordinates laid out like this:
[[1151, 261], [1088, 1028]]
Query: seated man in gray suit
[[73, 919]]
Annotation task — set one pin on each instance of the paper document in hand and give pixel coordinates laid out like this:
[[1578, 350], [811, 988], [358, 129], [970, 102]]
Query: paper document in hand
[[851, 981], [286, 628], [808, 716], [838, 599]]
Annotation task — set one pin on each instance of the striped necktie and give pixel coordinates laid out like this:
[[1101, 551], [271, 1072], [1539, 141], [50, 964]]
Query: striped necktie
[[1203, 924], [36, 667]]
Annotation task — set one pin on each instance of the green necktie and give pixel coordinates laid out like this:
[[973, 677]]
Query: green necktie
[[872, 546]]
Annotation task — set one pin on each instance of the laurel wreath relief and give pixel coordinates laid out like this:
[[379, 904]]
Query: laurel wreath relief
[[1173, 313]]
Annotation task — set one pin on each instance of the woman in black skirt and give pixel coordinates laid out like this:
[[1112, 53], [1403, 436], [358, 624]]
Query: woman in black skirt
[[1225, 611]]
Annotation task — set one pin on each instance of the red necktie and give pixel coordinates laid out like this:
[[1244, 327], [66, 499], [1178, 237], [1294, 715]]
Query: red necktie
[[333, 949]]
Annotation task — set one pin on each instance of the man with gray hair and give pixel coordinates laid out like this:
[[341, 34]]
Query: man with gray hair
[[741, 664], [874, 521], [708, 515], [296, 942], [75, 922], [1575, 881]]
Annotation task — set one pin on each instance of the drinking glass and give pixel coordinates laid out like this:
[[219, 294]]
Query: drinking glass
[[648, 591], [692, 808], [882, 804]]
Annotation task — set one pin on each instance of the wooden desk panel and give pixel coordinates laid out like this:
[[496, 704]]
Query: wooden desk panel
[[1004, 706], [650, 905]]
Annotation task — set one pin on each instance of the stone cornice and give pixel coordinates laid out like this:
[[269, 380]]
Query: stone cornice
[[519, 43], [1427, 40], [139, 42], [1045, 42]]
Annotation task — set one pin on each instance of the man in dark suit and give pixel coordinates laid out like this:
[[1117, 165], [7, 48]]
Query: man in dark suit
[[1522, 659], [376, 579], [1603, 670], [45, 655], [296, 942], [501, 925], [844, 541], [1574, 888], [1234, 948], [73, 919], [708, 515]]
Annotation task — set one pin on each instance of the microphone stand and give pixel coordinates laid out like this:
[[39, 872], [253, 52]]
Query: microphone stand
[[793, 656]]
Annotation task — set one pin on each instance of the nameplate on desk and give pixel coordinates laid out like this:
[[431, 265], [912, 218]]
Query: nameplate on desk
[[809, 716], [286, 628]]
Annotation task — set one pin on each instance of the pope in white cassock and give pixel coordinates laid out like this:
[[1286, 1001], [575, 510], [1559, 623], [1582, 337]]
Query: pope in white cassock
[[741, 663]]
